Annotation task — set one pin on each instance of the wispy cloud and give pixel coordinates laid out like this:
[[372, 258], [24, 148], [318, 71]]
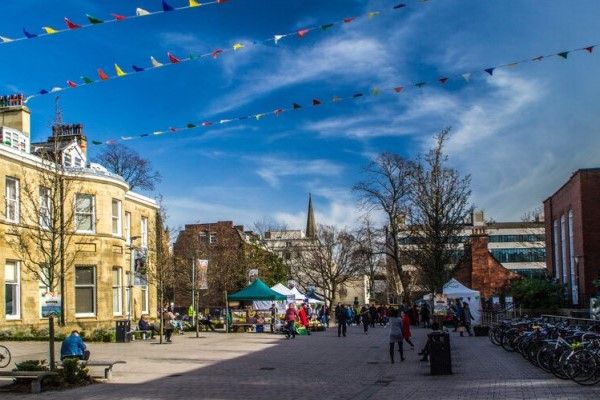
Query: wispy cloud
[[273, 169]]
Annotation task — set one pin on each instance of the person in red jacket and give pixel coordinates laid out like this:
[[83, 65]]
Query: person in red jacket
[[303, 315], [406, 328]]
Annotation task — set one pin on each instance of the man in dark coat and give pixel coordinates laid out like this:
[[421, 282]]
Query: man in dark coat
[[342, 317]]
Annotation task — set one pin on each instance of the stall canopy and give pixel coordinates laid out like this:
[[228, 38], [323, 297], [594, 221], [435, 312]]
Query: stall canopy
[[453, 289], [280, 305], [257, 291]]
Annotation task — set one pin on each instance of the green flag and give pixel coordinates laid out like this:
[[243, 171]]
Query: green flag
[[296, 106], [564, 54], [326, 26], [96, 142], [87, 80], [93, 20], [190, 126]]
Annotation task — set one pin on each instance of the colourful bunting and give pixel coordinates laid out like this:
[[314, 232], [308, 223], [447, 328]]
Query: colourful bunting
[[119, 71], [102, 75], [4, 39], [29, 35], [238, 46], [326, 26], [119, 17], [49, 30], [375, 91], [296, 106], [348, 20], [316, 102], [94, 20], [137, 69], [86, 80], [420, 84], [277, 38], [539, 58], [140, 12], [173, 59], [155, 63], [303, 32], [357, 95], [398, 89], [466, 76], [443, 80], [167, 7], [373, 14], [401, 5], [71, 84], [563, 54], [490, 71], [206, 123], [72, 25], [44, 91], [278, 112], [97, 143], [216, 53], [190, 126], [589, 49], [194, 3]]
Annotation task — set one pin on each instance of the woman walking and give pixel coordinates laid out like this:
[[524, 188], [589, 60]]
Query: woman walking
[[364, 316], [168, 318], [466, 318], [395, 334], [406, 329]]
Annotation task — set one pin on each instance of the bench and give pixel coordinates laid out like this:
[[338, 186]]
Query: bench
[[144, 335], [35, 377], [108, 364]]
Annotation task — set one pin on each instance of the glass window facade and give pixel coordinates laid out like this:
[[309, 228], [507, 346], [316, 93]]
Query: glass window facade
[[85, 213], [85, 290], [519, 255], [12, 290]]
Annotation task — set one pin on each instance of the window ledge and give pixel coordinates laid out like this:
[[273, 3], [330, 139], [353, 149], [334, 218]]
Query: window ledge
[[85, 315], [13, 317]]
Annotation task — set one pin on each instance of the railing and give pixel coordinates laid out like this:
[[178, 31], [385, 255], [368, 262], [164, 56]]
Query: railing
[[571, 320], [491, 318]]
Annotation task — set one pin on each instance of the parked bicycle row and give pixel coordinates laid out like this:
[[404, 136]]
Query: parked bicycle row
[[565, 350]]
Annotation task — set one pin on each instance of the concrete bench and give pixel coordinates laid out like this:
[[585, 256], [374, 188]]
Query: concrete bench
[[142, 334], [107, 364], [35, 377]]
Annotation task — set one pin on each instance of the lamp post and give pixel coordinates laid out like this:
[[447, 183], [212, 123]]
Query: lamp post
[[131, 277]]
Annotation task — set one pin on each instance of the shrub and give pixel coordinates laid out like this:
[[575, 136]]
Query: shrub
[[32, 365], [73, 372], [538, 293]]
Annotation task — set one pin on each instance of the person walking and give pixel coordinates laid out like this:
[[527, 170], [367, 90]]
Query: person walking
[[458, 314], [395, 334], [466, 319], [406, 329], [342, 317], [168, 323], [364, 316], [290, 318], [324, 315], [373, 315], [303, 315], [425, 315]]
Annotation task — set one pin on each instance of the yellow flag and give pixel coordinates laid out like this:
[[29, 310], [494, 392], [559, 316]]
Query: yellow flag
[[238, 46], [119, 71], [373, 14], [49, 30], [195, 3]]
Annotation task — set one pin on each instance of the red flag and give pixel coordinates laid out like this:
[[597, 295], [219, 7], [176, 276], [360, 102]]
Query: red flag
[[316, 102], [398, 89], [102, 74], [443, 80], [302, 32], [71, 84], [173, 129], [216, 53], [71, 24], [278, 111], [173, 59], [207, 123], [589, 49], [221, 1], [118, 17], [348, 20]]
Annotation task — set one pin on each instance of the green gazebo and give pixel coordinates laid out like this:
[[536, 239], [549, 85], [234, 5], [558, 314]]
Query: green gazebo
[[256, 292]]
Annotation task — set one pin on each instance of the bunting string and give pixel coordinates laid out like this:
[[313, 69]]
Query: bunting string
[[93, 21], [375, 91], [103, 76]]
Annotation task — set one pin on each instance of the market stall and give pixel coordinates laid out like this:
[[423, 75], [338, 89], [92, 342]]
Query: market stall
[[250, 318], [453, 289]]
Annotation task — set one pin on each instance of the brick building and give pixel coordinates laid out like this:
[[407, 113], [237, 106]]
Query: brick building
[[573, 234]]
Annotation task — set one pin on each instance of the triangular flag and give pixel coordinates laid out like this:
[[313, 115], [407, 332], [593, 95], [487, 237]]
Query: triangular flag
[[137, 69], [539, 58], [102, 74], [512, 65], [348, 20], [237, 46], [71, 84], [140, 12], [55, 89], [173, 59], [173, 129], [158, 132], [398, 89], [258, 116], [190, 126], [316, 102], [194, 3], [71, 24], [4, 39], [224, 121], [118, 17], [96, 142], [216, 53], [49, 30], [357, 95], [335, 99], [87, 80], [167, 7], [119, 71], [29, 35], [375, 91], [373, 14], [145, 135], [278, 111], [296, 106], [93, 20], [589, 48], [277, 38], [420, 84], [303, 32], [563, 54], [401, 5], [443, 80], [44, 91], [326, 26], [155, 63], [221, 1], [126, 137], [466, 76], [207, 123], [490, 70]]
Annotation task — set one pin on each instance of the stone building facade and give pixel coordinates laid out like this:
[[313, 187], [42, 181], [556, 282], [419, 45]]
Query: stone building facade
[[108, 221]]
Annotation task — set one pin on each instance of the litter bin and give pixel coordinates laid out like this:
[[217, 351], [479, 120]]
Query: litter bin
[[122, 331], [440, 360]]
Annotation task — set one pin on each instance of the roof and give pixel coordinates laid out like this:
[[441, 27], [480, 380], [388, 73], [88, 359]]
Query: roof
[[573, 175], [257, 291]]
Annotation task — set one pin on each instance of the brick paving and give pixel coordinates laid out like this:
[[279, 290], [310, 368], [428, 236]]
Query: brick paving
[[320, 366]]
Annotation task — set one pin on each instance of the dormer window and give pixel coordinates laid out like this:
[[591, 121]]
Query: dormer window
[[67, 159]]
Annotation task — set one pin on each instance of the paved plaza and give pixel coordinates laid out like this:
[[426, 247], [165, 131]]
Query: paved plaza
[[320, 366]]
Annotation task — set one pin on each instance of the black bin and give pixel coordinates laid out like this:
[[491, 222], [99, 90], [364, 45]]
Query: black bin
[[122, 331], [439, 353]]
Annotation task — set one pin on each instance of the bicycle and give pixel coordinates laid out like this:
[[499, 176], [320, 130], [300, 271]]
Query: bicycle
[[4, 356]]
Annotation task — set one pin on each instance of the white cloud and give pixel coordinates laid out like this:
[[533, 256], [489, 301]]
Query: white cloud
[[272, 169]]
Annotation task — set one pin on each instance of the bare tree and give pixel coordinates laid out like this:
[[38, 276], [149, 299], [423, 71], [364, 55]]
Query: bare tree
[[369, 252], [439, 206], [266, 224], [329, 263], [127, 163], [387, 188]]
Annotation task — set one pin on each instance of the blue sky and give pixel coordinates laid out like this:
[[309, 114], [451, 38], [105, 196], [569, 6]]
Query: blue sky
[[520, 133]]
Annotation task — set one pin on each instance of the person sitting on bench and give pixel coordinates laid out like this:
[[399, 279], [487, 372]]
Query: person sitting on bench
[[205, 321], [144, 325], [73, 347]]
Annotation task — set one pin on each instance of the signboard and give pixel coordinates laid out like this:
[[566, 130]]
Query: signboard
[[440, 305], [50, 304], [508, 302], [202, 274], [140, 267]]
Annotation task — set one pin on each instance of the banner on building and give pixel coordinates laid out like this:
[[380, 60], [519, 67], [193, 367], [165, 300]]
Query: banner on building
[[202, 274], [50, 304], [140, 267]]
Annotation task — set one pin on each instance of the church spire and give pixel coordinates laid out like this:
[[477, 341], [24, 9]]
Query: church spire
[[311, 229]]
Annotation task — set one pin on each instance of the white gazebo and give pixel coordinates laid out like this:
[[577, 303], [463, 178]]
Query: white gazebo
[[453, 289]]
